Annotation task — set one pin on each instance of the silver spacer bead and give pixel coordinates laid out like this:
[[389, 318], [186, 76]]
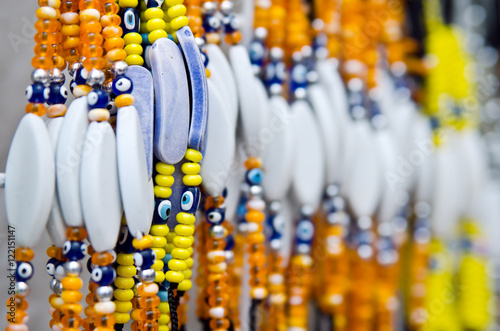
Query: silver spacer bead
[[40, 76], [200, 42], [22, 289], [226, 7], [146, 275], [57, 76], [56, 286], [74, 67], [119, 68], [96, 77], [217, 231], [104, 293], [73, 268], [255, 191], [108, 87], [209, 8]]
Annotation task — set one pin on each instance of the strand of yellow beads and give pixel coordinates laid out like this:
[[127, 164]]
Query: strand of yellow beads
[[175, 16], [131, 26], [55, 268]]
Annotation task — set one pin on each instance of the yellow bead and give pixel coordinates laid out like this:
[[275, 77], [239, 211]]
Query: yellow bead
[[184, 230], [183, 242], [189, 262], [132, 38], [176, 10], [168, 248], [143, 243], [160, 252], [126, 271], [159, 277], [125, 259], [193, 155], [185, 285], [192, 180], [159, 230], [157, 34], [164, 169], [163, 321], [185, 218], [123, 295], [174, 276], [177, 265], [190, 249], [71, 296], [133, 49], [153, 13], [122, 318], [162, 192], [124, 100], [170, 3], [158, 265], [187, 273], [164, 307], [159, 241], [123, 306], [124, 282], [190, 168], [128, 4], [134, 60], [164, 180], [180, 253], [170, 236], [178, 23], [156, 24]]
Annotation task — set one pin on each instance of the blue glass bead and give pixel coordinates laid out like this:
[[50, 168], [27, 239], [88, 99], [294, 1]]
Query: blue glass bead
[[211, 24], [58, 94], [74, 250], [254, 176], [80, 76], [215, 215], [163, 296], [162, 213], [277, 225], [145, 258], [305, 232], [257, 53], [190, 199], [51, 266], [97, 98], [103, 275], [24, 271], [229, 243], [275, 73], [153, 3], [124, 244], [130, 21], [298, 76], [122, 85], [36, 93], [231, 24]]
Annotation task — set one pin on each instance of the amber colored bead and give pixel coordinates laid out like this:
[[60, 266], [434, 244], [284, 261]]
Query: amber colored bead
[[255, 238], [150, 314], [89, 299], [216, 245], [105, 320], [91, 27], [252, 163], [111, 8], [89, 4], [72, 321], [149, 302], [109, 20], [116, 55], [94, 63], [90, 51], [112, 43], [71, 42], [45, 38], [218, 301], [257, 260], [256, 248], [21, 303], [255, 216], [36, 108], [150, 326], [112, 31], [89, 311], [24, 254], [102, 259], [233, 38], [48, 26], [19, 317], [92, 39], [76, 233]]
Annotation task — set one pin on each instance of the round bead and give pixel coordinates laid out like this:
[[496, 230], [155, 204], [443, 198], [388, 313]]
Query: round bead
[[134, 59], [105, 308], [128, 4], [124, 282], [180, 253], [183, 242], [24, 254], [189, 168], [164, 180], [177, 265], [192, 180], [179, 22], [185, 218], [152, 13], [123, 306], [122, 317], [185, 285], [125, 259], [160, 252], [126, 271], [176, 10], [123, 295], [132, 38], [134, 49], [103, 276], [124, 100], [148, 289], [102, 259], [99, 115], [164, 169], [71, 296], [156, 24], [184, 230], [255, 216], [122, 85], [162, 192], [145, 242], [159, 241], [157, 34], [159, 277], [71, 283], [193, 155], [159, 230]]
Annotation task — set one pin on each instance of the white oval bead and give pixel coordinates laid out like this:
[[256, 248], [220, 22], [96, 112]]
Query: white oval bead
[[217, 312]]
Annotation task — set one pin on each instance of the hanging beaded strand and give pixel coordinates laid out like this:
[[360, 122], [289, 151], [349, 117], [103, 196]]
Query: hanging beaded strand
[[132, 38], [55, 269]]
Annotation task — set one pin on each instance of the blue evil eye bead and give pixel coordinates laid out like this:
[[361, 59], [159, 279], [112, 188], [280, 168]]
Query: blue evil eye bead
[[231, 24], [211, 24], [122, 85], [112, 108], [254, 176], [97, 98], [153, 3], [80, 76], [74, 250], [124, 244], [72, 85], [256, 53], [90, 266], [103, 275], [163, 209], [144, 259], [305, 231], [35, 93], [190, 200], [51, 266], [58, 94], [131, 21], [24, 271], [215, 215]]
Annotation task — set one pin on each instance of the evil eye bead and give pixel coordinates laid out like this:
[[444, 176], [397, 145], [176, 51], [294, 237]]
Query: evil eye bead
[[122, 85], [51, 267], [58, 94], [299, 74], [164, 209], [80, 76], [305, 231], [24, 271], [131, 21], [278, 224], [215, 216], [211, 24], [97, 98], [256, 52], [60, 273], [144, 259], [72, 85], [125, 241], [35, 93], [112, 108], [103, 276], [231, 24], [190, 199], [74, 250], [254, 176]]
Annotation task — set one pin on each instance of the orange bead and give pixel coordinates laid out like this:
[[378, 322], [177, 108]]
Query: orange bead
[[255, 216], [71, 42], [71, 296], [91, 27], [24, 254], [94, 63], [105, 320], [233, 38], [150, 314], [102, 259], [257, 260], [37, 108], [112, 32], [92, 39], [72, 321], [149, 302], [252, 163], [111, 43], [49, 26], [218, 301], [255, 238], [111, 8], [115, 55], [76, 233], [71, 283], [108, 20], [219, 324], [71, 308]]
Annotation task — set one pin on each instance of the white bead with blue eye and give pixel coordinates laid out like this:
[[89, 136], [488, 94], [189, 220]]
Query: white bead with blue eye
[[305, 230], [96, 275], [29, 92], [138, 260], [92, 98], [187, 201], [46, 93], [279, 224], [64, 91], [164, 209]]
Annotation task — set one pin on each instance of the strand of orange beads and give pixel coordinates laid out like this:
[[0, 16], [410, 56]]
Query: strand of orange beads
[[55, 269], [255, 238], [217, 287], [201, 280], [74, 249], [70, 31], [146, 312]]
